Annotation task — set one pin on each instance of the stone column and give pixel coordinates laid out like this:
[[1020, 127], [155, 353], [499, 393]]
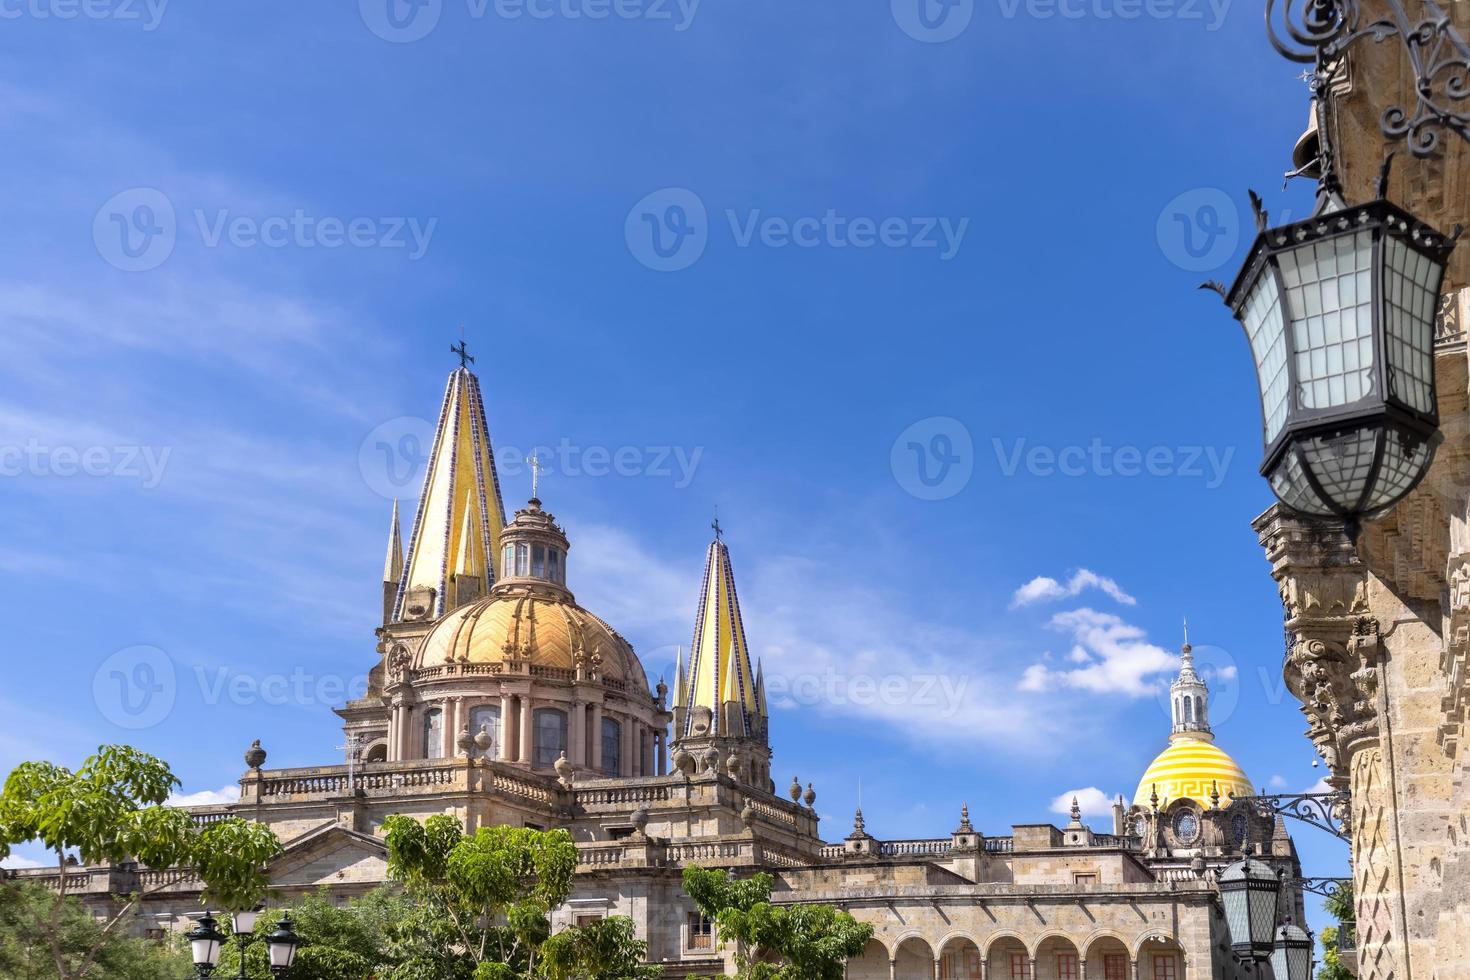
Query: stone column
[[663, 752], [984, 967], [526, 737], [1081, 967], [454, 720], [892, 969], [1133, 966], [1031, 967], [577, 734], [506, 731], [1332, 664], [597, 736], [936, 968]]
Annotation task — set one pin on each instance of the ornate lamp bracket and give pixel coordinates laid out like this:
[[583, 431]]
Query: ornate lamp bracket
[[1331, 657], [1322, 31], [1325, 811]]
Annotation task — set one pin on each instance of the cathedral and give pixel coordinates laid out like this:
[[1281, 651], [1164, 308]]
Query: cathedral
[[497, 698]]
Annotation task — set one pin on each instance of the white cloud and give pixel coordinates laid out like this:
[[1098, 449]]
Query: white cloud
[[1044, 588], [1276, 782], [1093, 801], [17, 863], [208, 797], [1117, 658], [1320, 786]]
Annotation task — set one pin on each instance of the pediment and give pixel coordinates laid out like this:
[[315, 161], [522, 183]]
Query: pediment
[[330, 855]]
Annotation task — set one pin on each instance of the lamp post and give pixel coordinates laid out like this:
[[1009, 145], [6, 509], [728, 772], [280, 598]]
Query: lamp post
[[242, 924], [1249, 890], [204, 942], [1292, 957], [282, 945]]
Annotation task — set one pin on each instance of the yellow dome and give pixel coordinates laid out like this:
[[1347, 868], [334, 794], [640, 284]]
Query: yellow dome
[[541, 626], [1188, 769]]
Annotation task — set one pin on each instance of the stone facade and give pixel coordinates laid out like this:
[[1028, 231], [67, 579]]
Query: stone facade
[[1378, 629]]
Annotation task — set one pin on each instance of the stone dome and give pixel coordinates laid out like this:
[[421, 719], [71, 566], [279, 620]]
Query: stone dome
[[1188, 769], [543, 627]]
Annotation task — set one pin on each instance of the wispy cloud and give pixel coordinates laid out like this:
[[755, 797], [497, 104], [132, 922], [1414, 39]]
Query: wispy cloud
[[1093, 802], [1043, 588], [208, 797], [1113, 657]]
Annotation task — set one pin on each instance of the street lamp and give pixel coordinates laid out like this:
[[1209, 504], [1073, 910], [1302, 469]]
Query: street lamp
[[1339, 311], [204, 941], [242, 924], [282, 946], [1292, 957], [1249, 890]]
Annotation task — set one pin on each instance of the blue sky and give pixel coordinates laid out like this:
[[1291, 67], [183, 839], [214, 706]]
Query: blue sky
[[868, 239]]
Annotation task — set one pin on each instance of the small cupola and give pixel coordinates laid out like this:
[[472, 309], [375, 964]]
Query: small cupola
[[1190, 698], [533, 550]]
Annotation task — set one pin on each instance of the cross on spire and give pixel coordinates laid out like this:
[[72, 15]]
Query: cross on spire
[[535, 463], [719, 531], [465, 359]]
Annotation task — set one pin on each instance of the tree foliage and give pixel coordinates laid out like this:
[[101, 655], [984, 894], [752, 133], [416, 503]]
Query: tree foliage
[[116, 957], [1339, 905], [775, 942], [338, 942], [483, 907], [110, 811]]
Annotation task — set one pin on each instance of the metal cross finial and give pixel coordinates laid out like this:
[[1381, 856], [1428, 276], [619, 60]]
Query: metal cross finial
[[535, 464], [465, 360], [719, 531]]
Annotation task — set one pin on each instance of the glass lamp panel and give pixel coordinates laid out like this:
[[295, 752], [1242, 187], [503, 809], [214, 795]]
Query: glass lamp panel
[[1411, 290], [1290, 485], [1342, 464], [1237, 919], [1299, 962], [1262, 899], [1264, 326], [243, 923], [206, 952], [282, 955], [1398, 471], [1330, 305]]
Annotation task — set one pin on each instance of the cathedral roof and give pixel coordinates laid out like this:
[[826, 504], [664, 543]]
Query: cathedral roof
[[1191, 768], [460, 514], [541, 626], [720, 669]]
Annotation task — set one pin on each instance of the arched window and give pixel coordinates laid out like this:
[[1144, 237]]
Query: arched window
[[612, 740], [1199, 710], [378, 753], [487, 717], [550, 736], [434, 734], [555, 566], [1188, 711], [508, 560], [523, 559]]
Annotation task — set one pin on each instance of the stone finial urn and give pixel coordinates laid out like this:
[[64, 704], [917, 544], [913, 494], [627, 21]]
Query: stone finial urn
[[483, 739], [747, 815], [464, 741], [795, 790], [683, 761], [255, 755], [563, 768], [810, 796], [640, 819]]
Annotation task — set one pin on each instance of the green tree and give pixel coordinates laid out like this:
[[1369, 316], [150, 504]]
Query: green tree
[[111, 810], [348, 942], [775, 942], [114, 956], [1339, 905], [605, 950]]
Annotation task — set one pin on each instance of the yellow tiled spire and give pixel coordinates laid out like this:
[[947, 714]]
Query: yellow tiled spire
[[460, 514], [719, 659]]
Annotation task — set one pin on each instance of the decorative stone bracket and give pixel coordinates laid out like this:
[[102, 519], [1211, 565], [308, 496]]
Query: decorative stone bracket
[[1331, 640]]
